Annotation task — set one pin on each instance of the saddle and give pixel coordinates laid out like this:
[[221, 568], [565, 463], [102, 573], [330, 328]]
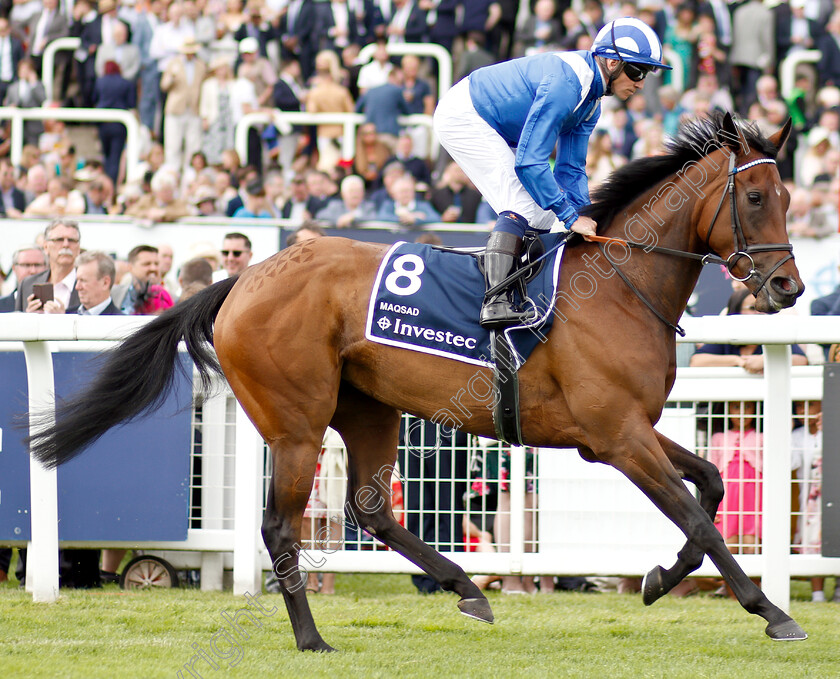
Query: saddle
[[506, 419]]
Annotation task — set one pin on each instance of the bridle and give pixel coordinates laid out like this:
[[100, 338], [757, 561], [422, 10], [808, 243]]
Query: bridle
[[742, 248]]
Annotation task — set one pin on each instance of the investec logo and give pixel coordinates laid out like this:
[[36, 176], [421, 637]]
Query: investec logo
[[411, 330]]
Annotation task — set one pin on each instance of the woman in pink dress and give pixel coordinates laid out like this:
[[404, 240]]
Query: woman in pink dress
[[737, 453]]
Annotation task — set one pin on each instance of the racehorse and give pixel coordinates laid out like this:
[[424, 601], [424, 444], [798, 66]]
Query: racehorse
[[289, 337]]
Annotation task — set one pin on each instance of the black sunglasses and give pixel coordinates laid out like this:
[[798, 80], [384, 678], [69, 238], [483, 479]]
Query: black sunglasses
[[635, 72], [235, 253]]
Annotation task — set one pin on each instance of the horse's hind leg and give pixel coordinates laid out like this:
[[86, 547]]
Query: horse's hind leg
[[371, 433], [291, 484], [292, 419], [706, 477]]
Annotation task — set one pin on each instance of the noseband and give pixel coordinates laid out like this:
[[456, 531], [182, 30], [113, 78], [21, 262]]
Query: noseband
[[742, 248]]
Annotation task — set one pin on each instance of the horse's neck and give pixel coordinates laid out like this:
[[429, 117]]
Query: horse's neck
[[668, 217]]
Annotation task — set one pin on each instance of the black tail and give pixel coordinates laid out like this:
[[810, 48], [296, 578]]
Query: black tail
[[135, 377]]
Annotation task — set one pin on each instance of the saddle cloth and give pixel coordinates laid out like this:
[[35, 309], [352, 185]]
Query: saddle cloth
[[428, 300]]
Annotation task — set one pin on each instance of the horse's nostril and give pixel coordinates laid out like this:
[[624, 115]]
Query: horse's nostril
[[785, 285]]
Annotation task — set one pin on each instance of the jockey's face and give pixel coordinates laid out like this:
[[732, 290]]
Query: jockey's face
[[623, 87]]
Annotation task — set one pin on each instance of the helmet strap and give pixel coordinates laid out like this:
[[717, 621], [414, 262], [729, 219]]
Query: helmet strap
[[612, 74]]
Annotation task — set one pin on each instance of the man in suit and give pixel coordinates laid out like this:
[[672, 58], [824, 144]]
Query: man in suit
[[404, 207], [297, 35], [144, 26], [95, 273], [828, 43], [62, 237], [11, 52], [297, 207], [474, 55], [27, 261], [12, 199], [47, 25], [337, 26], [181, 80], [407, 23], [27, 92], [753, 48], [794, 31], [95, 35], [256, 28]]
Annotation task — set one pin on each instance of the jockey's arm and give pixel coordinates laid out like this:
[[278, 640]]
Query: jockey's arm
[[570, 162], [555, 103], [570, 171]]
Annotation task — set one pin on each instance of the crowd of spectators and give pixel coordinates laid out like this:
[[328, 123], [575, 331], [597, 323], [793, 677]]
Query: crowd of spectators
[[192, 69]]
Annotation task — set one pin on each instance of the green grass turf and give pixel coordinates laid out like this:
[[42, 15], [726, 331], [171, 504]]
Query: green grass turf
[[384, 629]]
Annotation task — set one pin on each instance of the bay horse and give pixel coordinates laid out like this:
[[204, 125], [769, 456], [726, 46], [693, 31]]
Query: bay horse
[[289, 335]]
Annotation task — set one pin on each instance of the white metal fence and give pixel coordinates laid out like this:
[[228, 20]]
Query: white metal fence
[[566, 516]]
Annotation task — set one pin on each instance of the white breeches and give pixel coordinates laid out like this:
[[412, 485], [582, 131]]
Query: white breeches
[[485, 157]]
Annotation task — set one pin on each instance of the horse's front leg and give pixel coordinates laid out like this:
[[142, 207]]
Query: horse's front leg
[[641, 458], [706, 477]]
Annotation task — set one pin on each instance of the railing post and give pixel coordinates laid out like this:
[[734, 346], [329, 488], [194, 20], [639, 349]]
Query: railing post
[[677, 75], [16, 137], [48, 62], [775, 538], [247, 505], [42, 561], [787, 69], [517, 508], [348, 140]]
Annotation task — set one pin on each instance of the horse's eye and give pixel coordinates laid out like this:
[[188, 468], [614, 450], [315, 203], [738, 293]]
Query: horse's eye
[[754, 197]]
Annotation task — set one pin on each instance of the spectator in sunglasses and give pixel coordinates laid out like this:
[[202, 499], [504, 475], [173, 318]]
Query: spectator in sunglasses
[[236, 253]]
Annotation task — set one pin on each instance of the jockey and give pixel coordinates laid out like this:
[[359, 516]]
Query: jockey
[[502, 122]]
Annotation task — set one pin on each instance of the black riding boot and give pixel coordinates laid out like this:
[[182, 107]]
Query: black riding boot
[[499, 311]]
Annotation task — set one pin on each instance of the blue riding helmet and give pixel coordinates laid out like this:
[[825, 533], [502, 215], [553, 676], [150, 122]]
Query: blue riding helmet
[[629, 39]]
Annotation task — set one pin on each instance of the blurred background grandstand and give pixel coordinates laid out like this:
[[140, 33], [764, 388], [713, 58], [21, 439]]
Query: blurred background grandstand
[[295, 95]]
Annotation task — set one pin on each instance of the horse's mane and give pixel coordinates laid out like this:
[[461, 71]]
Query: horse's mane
[[633, 179]]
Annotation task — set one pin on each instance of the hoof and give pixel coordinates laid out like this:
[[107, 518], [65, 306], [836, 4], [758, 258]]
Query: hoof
[[319, 647], [788, 630], [653, 586], [479, 609]]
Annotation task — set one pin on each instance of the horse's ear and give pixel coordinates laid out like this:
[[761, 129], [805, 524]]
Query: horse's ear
[[778, 140], [732, 136]]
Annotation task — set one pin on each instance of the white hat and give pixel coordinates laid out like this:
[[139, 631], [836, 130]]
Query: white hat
[[207, 251], [204, 193], [190, 46], [249, 46], [219, 62], [817, 136]]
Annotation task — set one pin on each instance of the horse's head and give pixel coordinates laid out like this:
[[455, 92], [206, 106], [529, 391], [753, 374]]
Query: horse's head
[[751, 235]]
